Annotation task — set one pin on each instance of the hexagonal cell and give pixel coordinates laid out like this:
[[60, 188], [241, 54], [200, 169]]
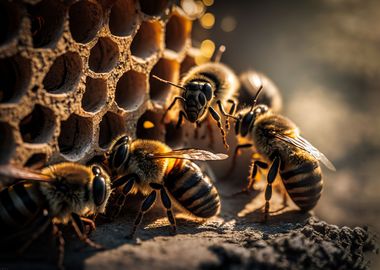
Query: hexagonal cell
[[95, 95], [9, 21], [85, 20], [187, 64], [111, 126], [149, 126], [64, 74], [7, 142], [15, 77], [46, 22], [122, 18], [177, 32], [103, 56], [167, 70], [75, 137], [130, 90], [38, 126], [36, 161], [147, 40], [154, 7]]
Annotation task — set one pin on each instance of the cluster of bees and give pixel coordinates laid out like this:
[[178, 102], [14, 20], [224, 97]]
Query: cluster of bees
[[74, 193]]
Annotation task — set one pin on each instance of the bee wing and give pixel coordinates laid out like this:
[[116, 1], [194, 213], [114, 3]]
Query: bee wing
[[190, 154], [23, 173], [303, 144]]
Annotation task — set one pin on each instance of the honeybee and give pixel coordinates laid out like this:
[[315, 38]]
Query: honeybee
[[204, 88], [278, 142], [58, 194], [152, 167]]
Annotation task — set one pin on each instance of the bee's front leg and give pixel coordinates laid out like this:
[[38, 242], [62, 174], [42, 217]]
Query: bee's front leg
[[216, 117], [80, 230]]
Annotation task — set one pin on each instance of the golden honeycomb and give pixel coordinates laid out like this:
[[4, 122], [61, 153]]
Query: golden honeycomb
[[76, 74]]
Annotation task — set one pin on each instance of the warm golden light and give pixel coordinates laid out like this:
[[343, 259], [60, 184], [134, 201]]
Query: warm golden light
[[207, 48], [207, 20], [148, 125], [208, 3], [194, 9]]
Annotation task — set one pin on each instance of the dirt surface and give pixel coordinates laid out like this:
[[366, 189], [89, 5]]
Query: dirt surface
[[238, 239]]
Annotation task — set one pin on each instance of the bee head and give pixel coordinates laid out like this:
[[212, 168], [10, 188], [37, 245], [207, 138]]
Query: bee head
[[246, 119], [197, 97], [118, 155]]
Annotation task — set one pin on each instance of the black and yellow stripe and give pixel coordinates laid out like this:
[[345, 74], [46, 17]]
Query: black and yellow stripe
[[19, 205], [303, 183], [189, 187]]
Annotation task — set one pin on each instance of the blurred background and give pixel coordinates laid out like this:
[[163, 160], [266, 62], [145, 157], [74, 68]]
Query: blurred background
[[325, 58]]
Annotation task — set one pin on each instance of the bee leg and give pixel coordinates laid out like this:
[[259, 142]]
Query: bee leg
[[170, 107], [78, 225], [89, 222], [180, 118], [61, 246], [235, 155], [129, 181], [210, 133], [216, 117], [273, 171], [254, 170], [229, 114], [146, 205], [168, 205]]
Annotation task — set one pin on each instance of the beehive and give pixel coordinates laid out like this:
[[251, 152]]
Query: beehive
[[76, 74]]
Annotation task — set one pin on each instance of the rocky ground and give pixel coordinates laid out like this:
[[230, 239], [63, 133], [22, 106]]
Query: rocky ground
[[238, 239]]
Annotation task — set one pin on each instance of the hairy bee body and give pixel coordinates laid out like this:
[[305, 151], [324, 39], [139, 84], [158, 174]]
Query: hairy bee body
[[205, 89], [184, 180], [222, 79], [20, 204], [56, 194], [154, 169], [192, 189], [300, 171]]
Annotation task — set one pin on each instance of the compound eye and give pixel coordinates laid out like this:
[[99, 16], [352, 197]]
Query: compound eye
[[120, 155], [207, 90], [96, 170], [202, 99], [99, 190], [193, 86]]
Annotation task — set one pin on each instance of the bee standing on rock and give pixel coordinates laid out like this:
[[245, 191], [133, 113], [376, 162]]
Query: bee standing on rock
[[57, 194], [278, 142], [204, 88], [153, 168]]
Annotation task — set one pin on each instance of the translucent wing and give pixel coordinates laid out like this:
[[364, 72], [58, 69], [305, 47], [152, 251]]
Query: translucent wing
[[23, 173], [303, 144], [190, 154]]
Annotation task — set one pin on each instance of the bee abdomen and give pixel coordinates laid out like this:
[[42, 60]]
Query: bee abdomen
[[193, 191], [19, 204], [304, 184]]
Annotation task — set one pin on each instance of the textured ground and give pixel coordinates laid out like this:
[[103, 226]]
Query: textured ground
[[235, 240]]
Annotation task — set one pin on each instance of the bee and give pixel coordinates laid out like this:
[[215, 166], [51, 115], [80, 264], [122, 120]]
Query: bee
[[251, 82], [282, 149], [154, 169], [204, 88], [57, 194]]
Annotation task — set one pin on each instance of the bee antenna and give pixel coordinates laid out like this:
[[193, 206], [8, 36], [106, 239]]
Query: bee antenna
[[256, 96], [168, 82], [219, 53]]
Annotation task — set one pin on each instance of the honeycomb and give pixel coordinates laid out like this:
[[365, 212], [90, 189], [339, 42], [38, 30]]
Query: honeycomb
[[76, 74]]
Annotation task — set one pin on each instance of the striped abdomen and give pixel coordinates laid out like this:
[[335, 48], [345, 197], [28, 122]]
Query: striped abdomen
[[192, 190], [303, 183], [20, 204]]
